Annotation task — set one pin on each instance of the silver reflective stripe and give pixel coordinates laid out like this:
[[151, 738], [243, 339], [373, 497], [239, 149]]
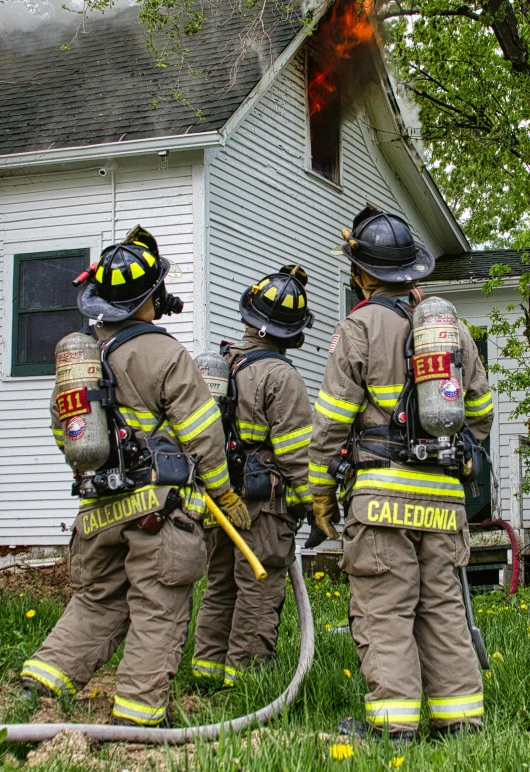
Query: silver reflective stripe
[[47, 675], [336, 409], [396, 479], [318, 475], [206, 415], [292, 440], [457, 707], [141, 714]]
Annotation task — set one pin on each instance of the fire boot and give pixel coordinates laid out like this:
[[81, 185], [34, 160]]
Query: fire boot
[[361, 730], [32, 688], [456, 729]]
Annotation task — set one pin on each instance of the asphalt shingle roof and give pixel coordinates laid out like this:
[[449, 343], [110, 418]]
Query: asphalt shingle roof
[[104, 87], [476, 265]]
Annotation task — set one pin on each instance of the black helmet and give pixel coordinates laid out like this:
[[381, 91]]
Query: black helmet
[[277, 305], [382, 245], [125, 277]]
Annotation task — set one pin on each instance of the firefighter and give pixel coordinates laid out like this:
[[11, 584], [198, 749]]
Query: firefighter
[[406, 609], [135, 556], [238, 619]]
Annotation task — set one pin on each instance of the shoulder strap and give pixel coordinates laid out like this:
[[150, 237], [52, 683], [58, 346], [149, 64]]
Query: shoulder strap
[[244, 360], [128, 333], [394, 304]]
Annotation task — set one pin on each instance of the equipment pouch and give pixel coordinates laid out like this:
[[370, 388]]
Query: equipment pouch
[[169, 464], [262, 479]]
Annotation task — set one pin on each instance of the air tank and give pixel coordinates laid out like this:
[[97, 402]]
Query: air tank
[[216, 371], [438, 379], [86, 436]]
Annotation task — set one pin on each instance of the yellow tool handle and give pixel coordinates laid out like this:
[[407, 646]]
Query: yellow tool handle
[[240, 543]]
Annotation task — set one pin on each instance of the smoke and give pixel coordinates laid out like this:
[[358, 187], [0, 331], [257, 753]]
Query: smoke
[[310, 6], [26, 15]]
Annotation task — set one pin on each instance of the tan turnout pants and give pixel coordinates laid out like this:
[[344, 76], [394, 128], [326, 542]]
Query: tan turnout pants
[[126, 582], [408, 620], [239, 616]]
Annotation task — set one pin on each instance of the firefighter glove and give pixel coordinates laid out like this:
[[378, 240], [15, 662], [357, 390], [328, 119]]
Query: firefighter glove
[[235, 508], [326, 511], [316, 536]]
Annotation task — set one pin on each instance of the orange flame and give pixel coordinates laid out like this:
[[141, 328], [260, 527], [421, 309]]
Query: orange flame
[[341, 31]]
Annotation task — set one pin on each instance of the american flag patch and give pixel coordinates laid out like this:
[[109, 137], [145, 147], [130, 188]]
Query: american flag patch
[[333, 344]]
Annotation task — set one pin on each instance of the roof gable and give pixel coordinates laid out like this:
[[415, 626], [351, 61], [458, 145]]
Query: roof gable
[[107, 88], [475, 266]]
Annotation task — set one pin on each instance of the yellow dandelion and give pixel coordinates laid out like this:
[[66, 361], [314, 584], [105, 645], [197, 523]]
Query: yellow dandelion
[[94, 693], [320, 575], [397, 761], [21, 595], [524, 606], [488, 674], [480, 611], [489, 611], [341, 751], [327, 627], [30, 613], [328, 595], [287, 580], [317, 586], [337, 594], [497, 655], [347, 673]]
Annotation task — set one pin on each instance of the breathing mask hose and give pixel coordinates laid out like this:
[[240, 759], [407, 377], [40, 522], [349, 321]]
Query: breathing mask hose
[[108, 733]]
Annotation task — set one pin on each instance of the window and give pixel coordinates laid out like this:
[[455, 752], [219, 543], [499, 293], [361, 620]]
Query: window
[[324, 121], [44, 307]]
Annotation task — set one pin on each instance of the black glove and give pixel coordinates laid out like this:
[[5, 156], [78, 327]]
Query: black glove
[[317, 536]]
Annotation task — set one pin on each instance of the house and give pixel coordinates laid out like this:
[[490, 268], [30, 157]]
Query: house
[[236, 169]]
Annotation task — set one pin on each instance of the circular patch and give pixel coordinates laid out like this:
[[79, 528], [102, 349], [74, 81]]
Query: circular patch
[[450, 389], [420, 267], [75, 427]]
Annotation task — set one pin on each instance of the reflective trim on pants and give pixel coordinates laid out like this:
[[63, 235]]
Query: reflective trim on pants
[[137, 712], [48, 676], [466, 706], [393, 712], [231, 675], [205, 668]]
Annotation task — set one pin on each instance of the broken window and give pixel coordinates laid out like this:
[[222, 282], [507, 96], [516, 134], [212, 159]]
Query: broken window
[[324, 120]]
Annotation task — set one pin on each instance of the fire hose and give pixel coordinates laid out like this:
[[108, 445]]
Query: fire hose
[[107, 733]]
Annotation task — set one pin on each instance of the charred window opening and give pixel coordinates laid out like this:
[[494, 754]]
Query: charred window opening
[[324, 122]]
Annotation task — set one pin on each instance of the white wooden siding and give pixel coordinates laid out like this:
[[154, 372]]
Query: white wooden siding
[[266, 210], [68, 209]]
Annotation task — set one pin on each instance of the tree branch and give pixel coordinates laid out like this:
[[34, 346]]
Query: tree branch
[[397, 11], [504, 25]]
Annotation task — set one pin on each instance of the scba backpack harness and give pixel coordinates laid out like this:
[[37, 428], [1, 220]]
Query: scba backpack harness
[[403, 439]]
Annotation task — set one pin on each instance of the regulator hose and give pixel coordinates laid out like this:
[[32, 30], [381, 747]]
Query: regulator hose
[[107, 733], [515, 549]]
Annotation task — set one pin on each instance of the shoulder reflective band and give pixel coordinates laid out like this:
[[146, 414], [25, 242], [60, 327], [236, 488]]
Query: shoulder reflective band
[[135, 711], [336, 409], [429, 367], [420, 483], [198, 421], [466, 706], [478, 407], [250, 432], [143, 420], [393, 712], [59, 437], [386, 396], [285, 443]]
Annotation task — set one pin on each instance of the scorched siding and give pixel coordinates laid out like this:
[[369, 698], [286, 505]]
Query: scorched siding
[[69, 209]]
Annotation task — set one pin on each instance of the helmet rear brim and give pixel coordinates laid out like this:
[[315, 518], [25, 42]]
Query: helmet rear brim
[[419, 268], [95, 307]]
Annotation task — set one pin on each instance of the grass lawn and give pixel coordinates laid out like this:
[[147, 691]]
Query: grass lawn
[[304, 737]]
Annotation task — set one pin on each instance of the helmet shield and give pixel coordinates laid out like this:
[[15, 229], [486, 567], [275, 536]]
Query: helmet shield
[[277, 305], [382, 245], [126, 276]]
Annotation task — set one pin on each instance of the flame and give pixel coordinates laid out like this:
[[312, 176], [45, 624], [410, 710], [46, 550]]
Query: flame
[[340, 32]]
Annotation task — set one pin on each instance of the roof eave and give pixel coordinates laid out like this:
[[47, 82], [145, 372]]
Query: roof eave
[[105, 150]]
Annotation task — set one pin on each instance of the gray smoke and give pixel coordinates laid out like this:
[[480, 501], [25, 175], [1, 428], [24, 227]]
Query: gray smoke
[[25, 15]]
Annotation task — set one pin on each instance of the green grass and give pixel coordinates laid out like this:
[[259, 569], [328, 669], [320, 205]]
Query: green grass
[[292, 743]]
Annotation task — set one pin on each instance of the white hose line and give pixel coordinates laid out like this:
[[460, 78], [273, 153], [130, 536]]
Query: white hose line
[[107, 733]]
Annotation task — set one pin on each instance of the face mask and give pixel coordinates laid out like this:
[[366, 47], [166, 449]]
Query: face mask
[[166, 304]]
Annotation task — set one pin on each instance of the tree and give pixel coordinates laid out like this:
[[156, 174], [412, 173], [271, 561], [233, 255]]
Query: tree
[[468, 68]]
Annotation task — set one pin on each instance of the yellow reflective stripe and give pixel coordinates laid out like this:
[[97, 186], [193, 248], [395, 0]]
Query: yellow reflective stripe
[[480, 406], [216, 477], [318, 475], [411, 482], [102, 499], [393, 711], [59, 437], [336, 409], [386, 396], [285, 443], [204, 668], [231, 675], [143, 420], [252, 432], [299, 495], [198, 421], [465, 706], [137, 711], [192, 500], [47, 675]]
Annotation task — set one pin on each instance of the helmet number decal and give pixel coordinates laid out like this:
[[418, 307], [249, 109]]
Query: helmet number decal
[[429, 367], [72, 402]]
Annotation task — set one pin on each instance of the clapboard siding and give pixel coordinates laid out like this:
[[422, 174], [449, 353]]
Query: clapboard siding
[[66, 209]]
